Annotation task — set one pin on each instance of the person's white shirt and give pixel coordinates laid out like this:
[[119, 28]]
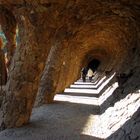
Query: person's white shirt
[[90, 73]]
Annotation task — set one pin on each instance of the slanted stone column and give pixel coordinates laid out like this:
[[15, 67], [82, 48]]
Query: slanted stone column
[[23, 78], [50, 77]]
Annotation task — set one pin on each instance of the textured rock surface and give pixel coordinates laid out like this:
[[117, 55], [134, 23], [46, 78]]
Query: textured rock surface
[[121, 121]]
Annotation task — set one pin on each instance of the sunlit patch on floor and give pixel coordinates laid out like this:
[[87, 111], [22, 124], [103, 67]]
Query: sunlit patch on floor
[[77, 99]]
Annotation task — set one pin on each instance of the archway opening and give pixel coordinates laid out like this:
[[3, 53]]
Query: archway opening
[[94, 64]]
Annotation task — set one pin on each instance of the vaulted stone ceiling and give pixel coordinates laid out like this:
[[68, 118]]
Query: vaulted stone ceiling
[[58, 38]]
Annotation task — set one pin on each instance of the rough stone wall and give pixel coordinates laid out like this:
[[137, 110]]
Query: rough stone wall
[[23, 77], [121, 121]]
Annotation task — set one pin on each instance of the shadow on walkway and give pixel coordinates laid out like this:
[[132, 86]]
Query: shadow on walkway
[[58, 121]]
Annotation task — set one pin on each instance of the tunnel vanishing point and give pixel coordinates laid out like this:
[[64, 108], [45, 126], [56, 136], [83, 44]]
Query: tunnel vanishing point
[[57, 38]]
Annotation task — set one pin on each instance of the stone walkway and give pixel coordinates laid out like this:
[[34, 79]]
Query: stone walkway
[[84, 112], [70, 117]]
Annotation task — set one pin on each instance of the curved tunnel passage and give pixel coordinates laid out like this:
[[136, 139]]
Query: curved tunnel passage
[[107, 40], [52, 52]]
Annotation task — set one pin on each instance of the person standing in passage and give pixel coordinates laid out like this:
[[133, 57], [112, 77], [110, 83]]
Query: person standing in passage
[[83, 74], [90, 74]]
